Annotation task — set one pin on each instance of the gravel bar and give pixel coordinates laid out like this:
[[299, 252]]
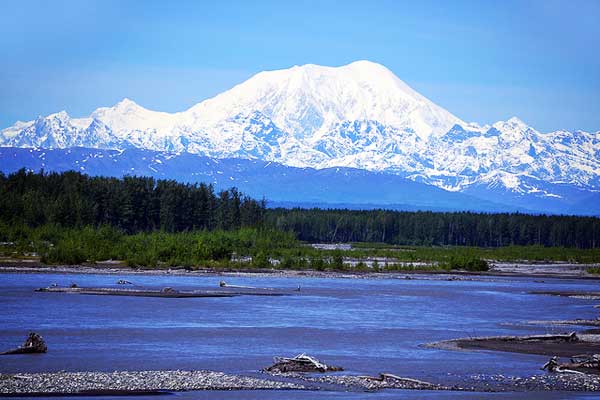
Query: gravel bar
[[72, 383], [565, 382]]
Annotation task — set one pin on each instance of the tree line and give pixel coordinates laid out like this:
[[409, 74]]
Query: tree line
[[133, 204], [438, 228], [141, 204]]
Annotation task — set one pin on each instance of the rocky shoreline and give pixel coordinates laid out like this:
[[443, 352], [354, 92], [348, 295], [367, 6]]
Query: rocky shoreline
[[559, 270]]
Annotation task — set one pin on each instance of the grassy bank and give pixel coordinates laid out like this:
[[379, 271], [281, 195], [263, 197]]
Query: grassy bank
[[507, 253], [56, 245], [248, 248]]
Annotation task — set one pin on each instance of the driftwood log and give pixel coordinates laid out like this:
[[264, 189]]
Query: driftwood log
[[395, 381], [580, 364], [226, 285], [566, 337], [382, 377], [300, 363], [33, 344]]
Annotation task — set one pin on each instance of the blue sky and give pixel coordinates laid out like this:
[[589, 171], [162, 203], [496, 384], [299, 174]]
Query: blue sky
[[482, 60]]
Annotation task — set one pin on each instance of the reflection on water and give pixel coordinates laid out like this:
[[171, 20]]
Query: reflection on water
[[367, 326]]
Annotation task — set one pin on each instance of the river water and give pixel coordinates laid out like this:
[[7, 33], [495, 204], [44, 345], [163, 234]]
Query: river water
[[366, 326]]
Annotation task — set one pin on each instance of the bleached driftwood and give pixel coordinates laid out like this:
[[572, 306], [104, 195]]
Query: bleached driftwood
[[300, 363], [567, 337], [580, 364], [384, 376], [225, 284]]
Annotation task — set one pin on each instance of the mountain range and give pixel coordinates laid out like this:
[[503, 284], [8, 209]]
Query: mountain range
[[359, 118]]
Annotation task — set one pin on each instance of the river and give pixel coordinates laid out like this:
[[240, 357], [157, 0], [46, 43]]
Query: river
[[365, 325]]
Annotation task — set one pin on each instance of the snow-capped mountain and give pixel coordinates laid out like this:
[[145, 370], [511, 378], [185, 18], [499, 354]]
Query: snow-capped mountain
[[310, 101], [511, 155], [359, 115]]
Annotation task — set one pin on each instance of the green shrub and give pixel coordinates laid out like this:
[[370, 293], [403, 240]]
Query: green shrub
[[317, 263], [594, 270], [361, 266], [466, 263], [261, 260], [67, 252], [141, 260], [337, 262], [287, 262]]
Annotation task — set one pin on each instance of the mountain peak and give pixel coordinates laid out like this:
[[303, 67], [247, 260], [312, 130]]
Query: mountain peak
[[366, 65], [61, 115], [358, 64], [310, 100], [517, 121], [512, 125], [127, 103]]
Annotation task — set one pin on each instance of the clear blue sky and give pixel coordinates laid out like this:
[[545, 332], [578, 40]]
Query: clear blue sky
[[482, 60]]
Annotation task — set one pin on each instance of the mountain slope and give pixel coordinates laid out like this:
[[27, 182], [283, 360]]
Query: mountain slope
[[277, 183]]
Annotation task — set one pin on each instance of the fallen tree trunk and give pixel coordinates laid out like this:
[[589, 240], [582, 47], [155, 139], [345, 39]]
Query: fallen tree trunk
[[226, 285], [567, 337], [580, 364], [385, 380], [383, 376], [300, 363]]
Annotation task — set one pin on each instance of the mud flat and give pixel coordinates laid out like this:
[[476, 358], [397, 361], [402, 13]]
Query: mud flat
[[548, 345], [129, 382]]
